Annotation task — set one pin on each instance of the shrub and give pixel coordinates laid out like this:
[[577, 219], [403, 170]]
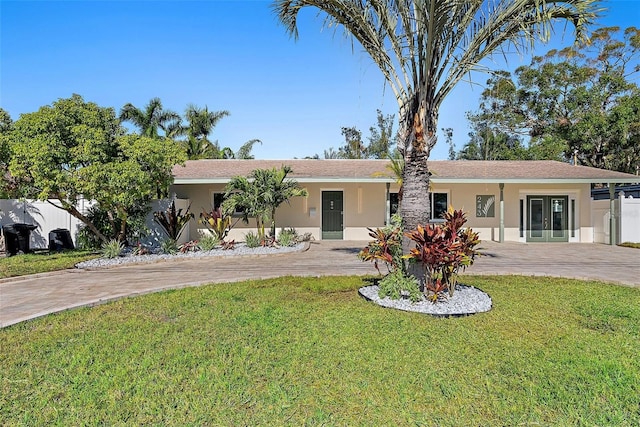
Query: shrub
[[216, 222], [135, 226], [386, 246], [169, 247], [396, 284], [112, 249], [140, 249], [190, 246], [252, 240], [228, 245], [208, 242], [443, 250], [306, 237], [288, 237]]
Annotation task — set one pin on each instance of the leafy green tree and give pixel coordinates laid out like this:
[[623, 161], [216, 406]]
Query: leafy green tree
[[448, 134], [331, 154], [151, 119], [242, 196], [486, 143], [7, 184], [278, 189], [260, 195], [353, 147], [380, 139], [578, 101], [424, 48], [75, 149]]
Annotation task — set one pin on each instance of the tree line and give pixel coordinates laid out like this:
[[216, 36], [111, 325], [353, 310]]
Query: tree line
[[75, 149], [578, 104]]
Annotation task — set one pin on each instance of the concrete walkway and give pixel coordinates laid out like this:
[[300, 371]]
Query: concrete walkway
[[33, 296]]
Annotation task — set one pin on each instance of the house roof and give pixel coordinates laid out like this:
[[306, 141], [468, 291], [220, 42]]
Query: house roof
[[443, 171]]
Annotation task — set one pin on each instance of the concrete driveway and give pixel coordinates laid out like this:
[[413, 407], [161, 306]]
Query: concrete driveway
[[29, 297]]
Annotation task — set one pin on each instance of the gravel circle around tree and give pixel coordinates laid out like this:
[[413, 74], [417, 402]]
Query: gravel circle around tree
[[239, 250], [466, 300]]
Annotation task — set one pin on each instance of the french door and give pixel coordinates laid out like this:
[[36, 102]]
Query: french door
[[547, 219]]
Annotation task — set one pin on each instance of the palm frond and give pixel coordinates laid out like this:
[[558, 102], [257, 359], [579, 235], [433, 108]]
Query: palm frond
[[244, 152]]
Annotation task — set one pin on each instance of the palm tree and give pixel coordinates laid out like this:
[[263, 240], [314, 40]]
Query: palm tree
[[151, 118], [279, 189], [200, 124], [424, 48], [243, 196], [260, 195], [244, 152]]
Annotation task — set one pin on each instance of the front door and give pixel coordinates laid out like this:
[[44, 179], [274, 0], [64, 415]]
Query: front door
[[547, 219], [332, 215]]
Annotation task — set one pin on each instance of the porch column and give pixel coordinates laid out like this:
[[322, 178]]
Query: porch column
[[501, 238], [387, 214], [612, 214]]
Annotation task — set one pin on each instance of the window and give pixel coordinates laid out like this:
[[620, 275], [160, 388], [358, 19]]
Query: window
[[439, 204], [218, 199], [394, 203]]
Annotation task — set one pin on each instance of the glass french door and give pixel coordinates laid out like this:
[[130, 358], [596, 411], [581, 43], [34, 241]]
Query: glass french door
[[547, 219]]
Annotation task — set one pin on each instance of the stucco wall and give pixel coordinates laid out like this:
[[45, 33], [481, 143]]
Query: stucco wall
[[463, 196], [365, 206]]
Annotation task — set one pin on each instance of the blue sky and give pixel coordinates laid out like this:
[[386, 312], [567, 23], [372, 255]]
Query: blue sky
[[228, 55]]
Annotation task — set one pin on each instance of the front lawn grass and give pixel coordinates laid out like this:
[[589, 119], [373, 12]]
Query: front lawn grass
[[310, 351], [20, 265], [630, 245]]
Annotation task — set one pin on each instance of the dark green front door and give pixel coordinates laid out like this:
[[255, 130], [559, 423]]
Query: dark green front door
[[332, 215], [547, 219]]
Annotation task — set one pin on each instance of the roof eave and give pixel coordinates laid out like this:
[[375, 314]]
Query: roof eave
[[302, 180], [436, 180]]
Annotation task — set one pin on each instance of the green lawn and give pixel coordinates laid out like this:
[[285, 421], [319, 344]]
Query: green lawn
[[20, 265], [310, 351]]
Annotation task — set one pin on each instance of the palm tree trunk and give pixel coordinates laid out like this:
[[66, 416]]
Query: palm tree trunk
[[273, 223], [415, 209]]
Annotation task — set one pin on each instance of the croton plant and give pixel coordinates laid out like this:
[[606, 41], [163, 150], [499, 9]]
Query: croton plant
[[443, 249]]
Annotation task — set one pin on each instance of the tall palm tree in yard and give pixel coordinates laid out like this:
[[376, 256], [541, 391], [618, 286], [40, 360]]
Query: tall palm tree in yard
[[150, 119], [200, 124], [424, 48]]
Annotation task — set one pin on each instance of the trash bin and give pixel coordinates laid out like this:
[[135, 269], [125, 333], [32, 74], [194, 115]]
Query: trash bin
[[17, 238], [60, 239]]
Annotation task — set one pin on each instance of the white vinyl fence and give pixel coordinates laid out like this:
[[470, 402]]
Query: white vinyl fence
[[629, 226], [48, 217], [627, 216]]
